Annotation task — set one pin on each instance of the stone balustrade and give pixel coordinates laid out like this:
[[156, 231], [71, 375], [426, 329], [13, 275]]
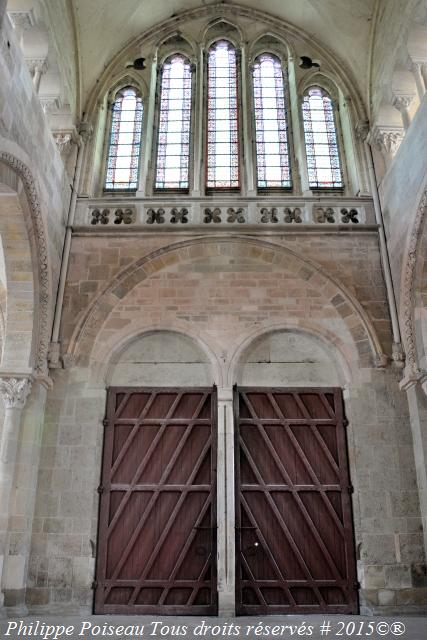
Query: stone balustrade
[[155, 214]]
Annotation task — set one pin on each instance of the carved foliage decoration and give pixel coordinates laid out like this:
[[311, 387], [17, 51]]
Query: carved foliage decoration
[[235, 215], [212, 215], [293, 215], [325, 215], [155, 215], [42, 260], [179, 215], [269, 215], [350, 215], [14, 392]]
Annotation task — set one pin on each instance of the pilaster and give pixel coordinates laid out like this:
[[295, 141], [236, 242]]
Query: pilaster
[[14, 393]]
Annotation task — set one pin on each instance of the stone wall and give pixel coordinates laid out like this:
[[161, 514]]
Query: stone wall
[[25, 135], [222, 295]]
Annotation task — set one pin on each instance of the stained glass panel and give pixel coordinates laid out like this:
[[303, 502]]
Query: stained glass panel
[[324, 169], [271, 131], [125, 141], [223, 118], [173, 144]]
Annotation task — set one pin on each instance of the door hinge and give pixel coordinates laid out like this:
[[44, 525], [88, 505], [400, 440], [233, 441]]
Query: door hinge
[[357, 585], [94, 584], [345, 422], [105, 422], [100, 489], [350, 489]]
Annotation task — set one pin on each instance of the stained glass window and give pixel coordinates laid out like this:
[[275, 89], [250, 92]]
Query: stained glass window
[[272, 151], [125, 141], [173, 149], [223, 118], [324, 169]]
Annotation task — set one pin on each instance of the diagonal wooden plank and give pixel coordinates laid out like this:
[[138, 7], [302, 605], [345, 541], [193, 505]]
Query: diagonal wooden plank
[[301, 505], [261, 598], [200, 579], [310, 470], [266, 548], [142, 465], [132, 434], [171, 520], [150, 505], [186, 546], [281, 523]]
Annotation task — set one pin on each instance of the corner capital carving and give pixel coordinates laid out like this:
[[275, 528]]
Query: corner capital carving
[[14, 392], [387, 139]]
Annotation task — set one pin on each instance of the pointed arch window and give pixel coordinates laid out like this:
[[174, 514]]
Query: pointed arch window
[[173, 145], [223, 118], [271, 129], [321, 144], [124, 148]]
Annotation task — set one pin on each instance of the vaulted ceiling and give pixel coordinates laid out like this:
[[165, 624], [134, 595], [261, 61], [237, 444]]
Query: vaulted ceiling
[[105, 26]]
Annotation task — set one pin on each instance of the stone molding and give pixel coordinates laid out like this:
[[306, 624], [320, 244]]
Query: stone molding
[[412, 373], [64, 142], [27, 178], [14, 392], [37, 64], [22, 20]]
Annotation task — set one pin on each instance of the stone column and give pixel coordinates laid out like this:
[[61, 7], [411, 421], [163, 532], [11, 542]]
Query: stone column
[[14, 394], [149, 129], [417, 70], [417, 402], [3, 4], [297, 130], [198, 125], [225, 505], [248, 152]]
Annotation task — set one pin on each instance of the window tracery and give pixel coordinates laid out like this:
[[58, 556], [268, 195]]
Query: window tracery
[[222, 118], [321, 144], [173, 147], [124, 145], [271, 129]]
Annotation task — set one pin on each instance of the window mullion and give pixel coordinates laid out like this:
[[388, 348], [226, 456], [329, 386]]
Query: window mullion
[[246, 125], [198, 125], [297, 126], [145, 181]]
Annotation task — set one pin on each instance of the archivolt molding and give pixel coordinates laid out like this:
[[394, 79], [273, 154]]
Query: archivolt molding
[[26, 176], [341, 353], [228, 12], [412, 372], [92, 320]]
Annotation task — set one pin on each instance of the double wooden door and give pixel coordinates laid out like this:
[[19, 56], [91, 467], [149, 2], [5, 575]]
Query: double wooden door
[[295, 543], [157, 525]]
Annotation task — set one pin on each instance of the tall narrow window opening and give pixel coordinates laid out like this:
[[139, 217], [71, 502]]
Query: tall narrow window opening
[[223, 118], [272, 150], [324, 168], [125, 141], [173, 148]]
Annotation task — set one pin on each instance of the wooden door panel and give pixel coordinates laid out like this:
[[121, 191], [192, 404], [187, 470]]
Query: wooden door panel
[[295, 544], [157, 527]]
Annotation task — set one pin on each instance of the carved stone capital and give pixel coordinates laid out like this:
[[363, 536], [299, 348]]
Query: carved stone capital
[[22, 20], [402, 102], [86, 131], [14, 392], [36, 65], [362, 130], [387, 139], [64, 142]]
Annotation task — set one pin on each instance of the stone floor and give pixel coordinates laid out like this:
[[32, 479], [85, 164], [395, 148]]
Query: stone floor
[[167, 627]]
